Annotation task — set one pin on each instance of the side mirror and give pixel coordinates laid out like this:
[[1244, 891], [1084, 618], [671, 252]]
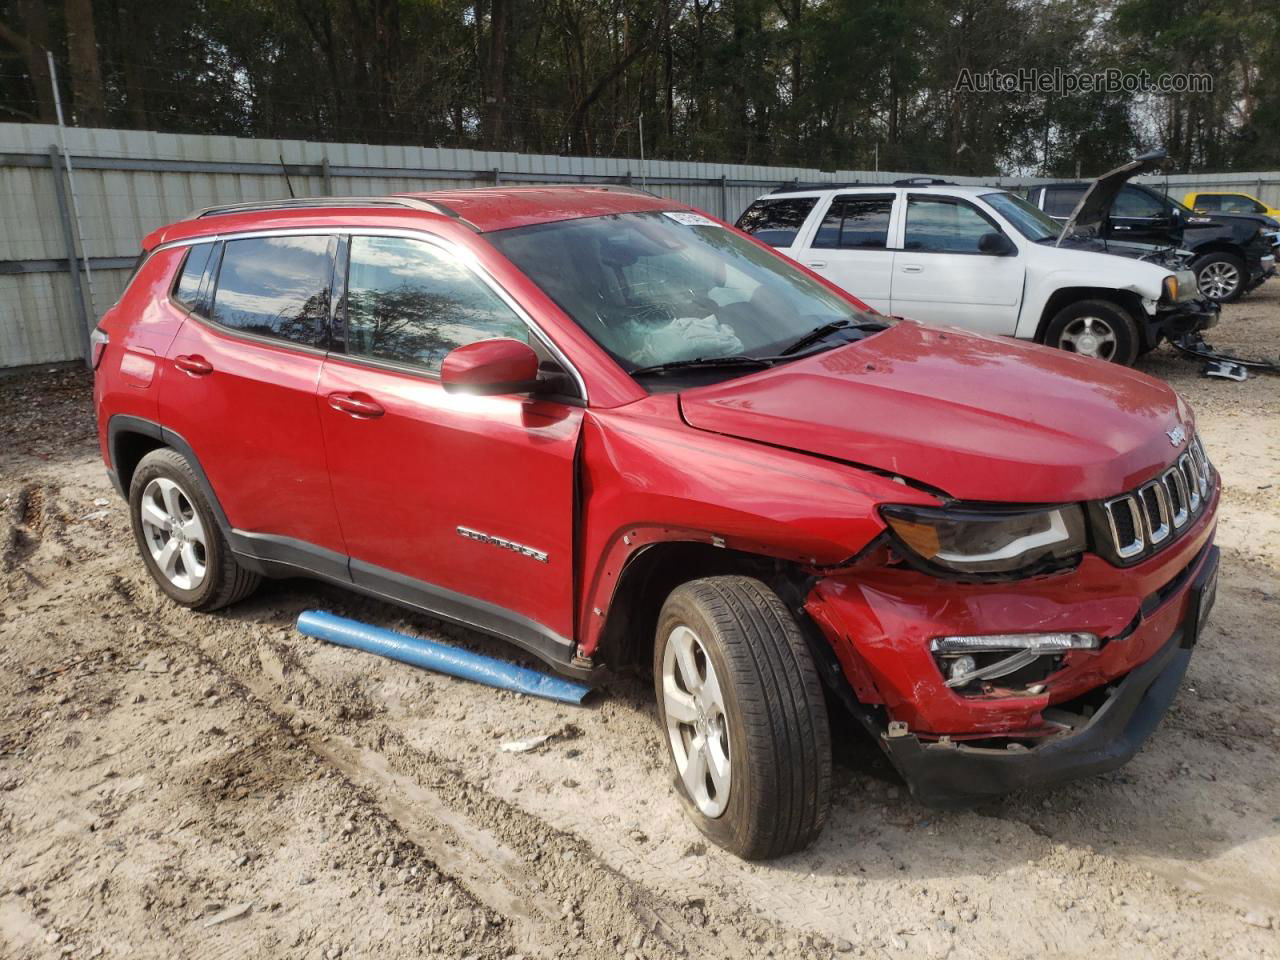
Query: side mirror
[[489, 368], [996, 245]]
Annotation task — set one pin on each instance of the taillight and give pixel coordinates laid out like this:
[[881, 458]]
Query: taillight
[[98, 340]]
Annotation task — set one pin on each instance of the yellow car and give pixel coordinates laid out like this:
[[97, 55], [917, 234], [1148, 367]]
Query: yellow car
[[1220, 201]]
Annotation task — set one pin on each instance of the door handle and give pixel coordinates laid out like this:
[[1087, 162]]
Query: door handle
[[816, 263], [193, 364], [357, 407], [913, 268]]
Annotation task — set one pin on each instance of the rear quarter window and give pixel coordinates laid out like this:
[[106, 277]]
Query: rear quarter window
[[776, 222], [190, 289]]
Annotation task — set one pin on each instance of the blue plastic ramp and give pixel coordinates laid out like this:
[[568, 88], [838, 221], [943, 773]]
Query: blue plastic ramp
[[438, 656]]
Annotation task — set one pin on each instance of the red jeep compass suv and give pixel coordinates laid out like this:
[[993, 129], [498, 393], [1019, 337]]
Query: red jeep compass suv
[[614, 430]]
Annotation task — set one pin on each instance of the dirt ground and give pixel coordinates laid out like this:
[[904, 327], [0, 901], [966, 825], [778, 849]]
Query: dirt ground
[[176, 784]]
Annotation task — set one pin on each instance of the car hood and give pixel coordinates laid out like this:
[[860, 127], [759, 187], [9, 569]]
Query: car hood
[[1094, 207], [979, 418]]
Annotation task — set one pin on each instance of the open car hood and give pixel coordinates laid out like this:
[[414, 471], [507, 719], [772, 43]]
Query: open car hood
[[979, 418], [1095, 206]]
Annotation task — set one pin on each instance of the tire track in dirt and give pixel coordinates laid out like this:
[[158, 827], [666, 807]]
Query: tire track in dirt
[[550, 886], [549, 883], [236, 774]]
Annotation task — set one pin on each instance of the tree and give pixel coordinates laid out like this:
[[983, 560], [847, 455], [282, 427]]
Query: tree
[[82, 54]]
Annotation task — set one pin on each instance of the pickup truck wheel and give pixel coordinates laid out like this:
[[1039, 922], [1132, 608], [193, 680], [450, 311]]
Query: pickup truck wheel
[[741, 707], [1095, 328], [179, 537], [1220, 276]]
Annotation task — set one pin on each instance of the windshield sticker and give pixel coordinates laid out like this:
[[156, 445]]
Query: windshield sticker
[[690, 219]]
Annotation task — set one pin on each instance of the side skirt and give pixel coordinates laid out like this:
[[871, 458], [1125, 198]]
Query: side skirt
[[276, 557]]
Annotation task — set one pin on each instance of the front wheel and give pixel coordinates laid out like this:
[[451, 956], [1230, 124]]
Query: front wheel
[[1220, 276], [1095, 328], [741, 707]]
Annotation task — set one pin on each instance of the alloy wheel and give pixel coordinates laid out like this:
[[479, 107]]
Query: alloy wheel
[[693, 705], [1218, 280], [174, 534], [1089, 337]]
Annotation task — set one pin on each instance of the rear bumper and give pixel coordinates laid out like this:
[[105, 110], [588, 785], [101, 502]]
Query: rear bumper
[[950, 774]]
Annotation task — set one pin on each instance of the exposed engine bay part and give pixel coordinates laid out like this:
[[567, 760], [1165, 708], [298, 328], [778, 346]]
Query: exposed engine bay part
[[1220, 364], [1171, 258]]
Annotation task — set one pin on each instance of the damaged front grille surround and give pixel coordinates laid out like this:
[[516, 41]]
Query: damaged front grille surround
[[1137, 524]]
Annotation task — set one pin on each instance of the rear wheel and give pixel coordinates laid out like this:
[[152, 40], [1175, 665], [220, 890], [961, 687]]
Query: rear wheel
[[741, 707], [1220, 276], [1095, 328], [179, 537]]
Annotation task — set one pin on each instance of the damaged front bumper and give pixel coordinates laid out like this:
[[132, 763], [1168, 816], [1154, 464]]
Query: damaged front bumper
[[946, 773], [1172, 321], [1260, 273], [1084, 712]]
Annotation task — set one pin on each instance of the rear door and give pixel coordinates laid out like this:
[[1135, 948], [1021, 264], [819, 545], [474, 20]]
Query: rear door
[[850, 246], [940, 276], [461, 504], [240, 381]]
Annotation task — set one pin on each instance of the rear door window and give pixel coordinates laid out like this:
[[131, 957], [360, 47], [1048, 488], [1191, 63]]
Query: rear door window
[[276, 287], [409, 302], [1208, 201], [777, 222], [1061, 201], [856, 223]]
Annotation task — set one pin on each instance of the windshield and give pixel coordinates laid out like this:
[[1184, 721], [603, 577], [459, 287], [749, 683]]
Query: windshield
[[661, 287], [1027, 218]]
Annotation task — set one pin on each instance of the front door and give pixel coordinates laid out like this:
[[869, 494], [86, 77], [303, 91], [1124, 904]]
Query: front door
[[850, 247], [1140, 217], [460, 504], [940, 276]]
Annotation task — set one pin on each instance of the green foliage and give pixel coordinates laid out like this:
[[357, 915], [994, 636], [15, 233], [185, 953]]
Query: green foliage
[[828, 83]]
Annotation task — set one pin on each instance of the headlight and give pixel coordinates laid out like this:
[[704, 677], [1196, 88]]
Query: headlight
[[1171, 289], [979, 541]]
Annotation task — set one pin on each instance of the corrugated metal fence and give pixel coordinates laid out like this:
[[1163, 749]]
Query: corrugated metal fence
[[130, 182]]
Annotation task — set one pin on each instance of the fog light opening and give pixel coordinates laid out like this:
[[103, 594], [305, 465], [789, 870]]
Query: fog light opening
[[1022, 661]]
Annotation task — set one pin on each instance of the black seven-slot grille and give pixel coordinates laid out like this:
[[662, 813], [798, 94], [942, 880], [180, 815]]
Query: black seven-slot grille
[[1135, 525]]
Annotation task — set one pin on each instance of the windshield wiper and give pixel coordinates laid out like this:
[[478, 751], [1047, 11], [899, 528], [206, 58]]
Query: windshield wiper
[[821, 333], [738, 360]]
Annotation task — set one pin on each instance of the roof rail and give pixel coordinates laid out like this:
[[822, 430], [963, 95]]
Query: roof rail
[[306, 203], [795, 185], [922, 182]]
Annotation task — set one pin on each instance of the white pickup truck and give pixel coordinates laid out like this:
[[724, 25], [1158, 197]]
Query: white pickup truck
[[979, 258]]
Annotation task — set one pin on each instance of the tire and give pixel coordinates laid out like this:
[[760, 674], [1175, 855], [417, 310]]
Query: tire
[[1220, 276], [192, 561], [1095, 328], [768, 726]]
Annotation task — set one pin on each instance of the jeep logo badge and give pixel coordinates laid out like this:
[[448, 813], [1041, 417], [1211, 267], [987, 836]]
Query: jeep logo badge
[[1176, 436]]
